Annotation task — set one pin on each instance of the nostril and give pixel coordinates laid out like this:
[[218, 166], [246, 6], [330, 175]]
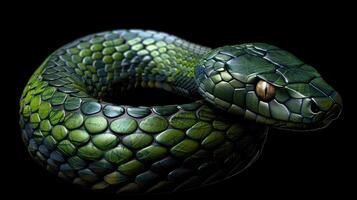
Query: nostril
[[314, 107]]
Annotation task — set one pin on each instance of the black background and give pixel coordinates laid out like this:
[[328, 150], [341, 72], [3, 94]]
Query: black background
[[293, 164]]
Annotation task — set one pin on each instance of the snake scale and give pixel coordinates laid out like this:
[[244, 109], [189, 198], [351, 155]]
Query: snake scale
[[72, 128]]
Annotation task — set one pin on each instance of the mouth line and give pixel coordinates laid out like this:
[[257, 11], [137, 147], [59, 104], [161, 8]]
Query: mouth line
[[302, 127], [284, 125], [329, 119], [330, 116]]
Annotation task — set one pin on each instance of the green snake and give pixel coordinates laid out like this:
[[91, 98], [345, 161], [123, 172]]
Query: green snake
[[72, 128]]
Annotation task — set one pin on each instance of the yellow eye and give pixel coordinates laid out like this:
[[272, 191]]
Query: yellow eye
[[264, 90]]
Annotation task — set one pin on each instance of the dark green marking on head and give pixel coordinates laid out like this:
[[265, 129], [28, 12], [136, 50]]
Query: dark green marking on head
[[267, 85]]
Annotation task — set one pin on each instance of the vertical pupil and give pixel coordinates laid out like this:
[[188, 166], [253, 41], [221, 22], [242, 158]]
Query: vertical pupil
[[265, 90]]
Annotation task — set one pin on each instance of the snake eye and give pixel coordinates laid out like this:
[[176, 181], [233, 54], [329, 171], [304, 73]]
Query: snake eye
[[264, 90]]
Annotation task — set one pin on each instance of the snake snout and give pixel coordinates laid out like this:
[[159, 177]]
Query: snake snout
[[327, 110], [332, 114]]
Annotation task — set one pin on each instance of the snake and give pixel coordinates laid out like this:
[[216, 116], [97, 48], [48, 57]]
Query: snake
[[72, 127]]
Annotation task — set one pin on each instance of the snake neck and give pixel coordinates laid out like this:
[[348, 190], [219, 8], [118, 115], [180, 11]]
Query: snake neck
[[132, 58]]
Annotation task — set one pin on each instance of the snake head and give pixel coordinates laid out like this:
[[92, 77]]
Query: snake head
[[267, 85]]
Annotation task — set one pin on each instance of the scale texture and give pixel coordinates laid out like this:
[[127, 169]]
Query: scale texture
[[70, 126]]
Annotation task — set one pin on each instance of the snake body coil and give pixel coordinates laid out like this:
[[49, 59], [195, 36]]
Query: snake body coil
[[70, 126]]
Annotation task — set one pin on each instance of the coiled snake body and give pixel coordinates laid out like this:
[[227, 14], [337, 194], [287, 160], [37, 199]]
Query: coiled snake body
[[70, 126]]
